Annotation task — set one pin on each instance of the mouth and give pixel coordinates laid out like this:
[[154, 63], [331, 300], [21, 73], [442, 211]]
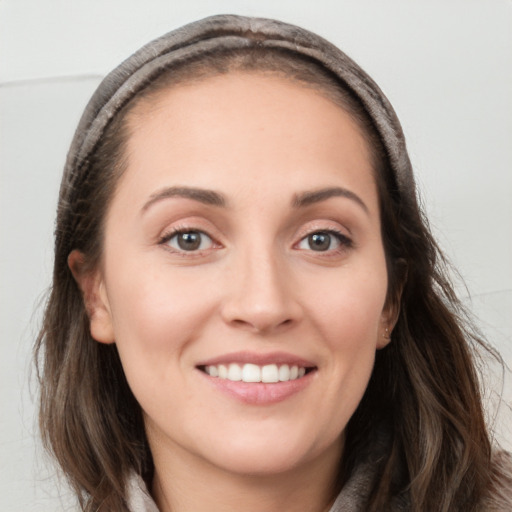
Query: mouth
[[258, 378], [254, 373]]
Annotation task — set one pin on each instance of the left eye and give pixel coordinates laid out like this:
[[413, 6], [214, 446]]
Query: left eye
[[190, 241], [321, 241]]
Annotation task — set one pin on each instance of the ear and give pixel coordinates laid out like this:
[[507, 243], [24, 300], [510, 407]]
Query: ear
[[95, 297], [391, 310], [387, 323]]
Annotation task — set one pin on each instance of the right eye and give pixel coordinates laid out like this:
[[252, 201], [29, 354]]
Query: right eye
[[325, 241], [188, 241]]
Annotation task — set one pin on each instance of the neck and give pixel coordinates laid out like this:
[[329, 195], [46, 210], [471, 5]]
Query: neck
[[184, 483]]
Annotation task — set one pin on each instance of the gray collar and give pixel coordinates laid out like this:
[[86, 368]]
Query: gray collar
[[351, 499]]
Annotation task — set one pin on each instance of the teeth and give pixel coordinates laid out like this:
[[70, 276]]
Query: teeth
[[269, 373], [223, 371], [234, 372], [284, 373], [251, 373]]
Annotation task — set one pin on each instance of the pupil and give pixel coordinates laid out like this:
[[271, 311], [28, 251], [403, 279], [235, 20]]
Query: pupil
[[319, 241], [189, 241]]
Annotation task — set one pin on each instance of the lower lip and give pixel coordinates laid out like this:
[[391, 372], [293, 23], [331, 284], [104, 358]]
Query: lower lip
[[260, 393]]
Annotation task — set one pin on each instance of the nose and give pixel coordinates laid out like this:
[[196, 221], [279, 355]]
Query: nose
[[261, 295]]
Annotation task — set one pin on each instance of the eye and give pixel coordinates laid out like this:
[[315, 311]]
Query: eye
[[188, 241], [322, 241]]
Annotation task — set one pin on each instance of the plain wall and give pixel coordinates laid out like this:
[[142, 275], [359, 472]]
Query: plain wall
[[446, 66]]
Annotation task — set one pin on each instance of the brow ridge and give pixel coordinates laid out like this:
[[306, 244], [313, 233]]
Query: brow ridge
[[315, 196], [205, 196]]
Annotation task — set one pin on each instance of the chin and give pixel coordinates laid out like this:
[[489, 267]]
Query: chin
[[271, 455], [261, 463]]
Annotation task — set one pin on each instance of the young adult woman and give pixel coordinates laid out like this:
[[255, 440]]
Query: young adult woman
[[248, 309]]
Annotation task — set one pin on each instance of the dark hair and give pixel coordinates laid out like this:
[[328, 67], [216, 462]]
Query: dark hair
[[424, 388]]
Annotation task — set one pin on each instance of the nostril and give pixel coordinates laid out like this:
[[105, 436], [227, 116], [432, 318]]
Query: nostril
[[262, 325], [260, 312], [240, 323]]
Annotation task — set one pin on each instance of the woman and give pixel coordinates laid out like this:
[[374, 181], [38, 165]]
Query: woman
[[248, 310]]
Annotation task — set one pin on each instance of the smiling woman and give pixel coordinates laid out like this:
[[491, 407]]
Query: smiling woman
[[248, 311]]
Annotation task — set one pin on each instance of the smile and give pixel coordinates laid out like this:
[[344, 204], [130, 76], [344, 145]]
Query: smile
[[269, 373]]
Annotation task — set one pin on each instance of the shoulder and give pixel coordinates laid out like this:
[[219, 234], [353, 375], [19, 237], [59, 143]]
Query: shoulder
[[499, 498]]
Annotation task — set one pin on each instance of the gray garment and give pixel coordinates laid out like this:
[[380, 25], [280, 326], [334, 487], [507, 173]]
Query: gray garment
[[351, 498], [354, 494], [138, 496]]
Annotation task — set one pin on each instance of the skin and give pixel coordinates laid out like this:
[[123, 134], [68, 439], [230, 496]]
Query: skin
[[255, 285]]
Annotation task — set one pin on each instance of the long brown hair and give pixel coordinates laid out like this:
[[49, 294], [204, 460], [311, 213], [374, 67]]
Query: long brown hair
[[424, 390]]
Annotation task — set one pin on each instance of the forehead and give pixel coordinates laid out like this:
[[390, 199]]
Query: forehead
[[239, 126], [240, 93]]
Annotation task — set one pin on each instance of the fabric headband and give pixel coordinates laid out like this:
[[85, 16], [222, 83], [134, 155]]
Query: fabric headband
[[225, 32]]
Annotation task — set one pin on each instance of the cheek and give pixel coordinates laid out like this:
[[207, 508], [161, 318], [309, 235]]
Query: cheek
[[350, 323], [155, 316], [348, 305], [350, 328], [347, 309]]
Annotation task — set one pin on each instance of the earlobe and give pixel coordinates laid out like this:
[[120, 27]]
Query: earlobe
[[391, 310], [95, 298], [384, 338], [388, 321]]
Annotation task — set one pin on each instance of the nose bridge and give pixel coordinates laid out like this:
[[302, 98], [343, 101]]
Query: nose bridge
[[261, 295], [261, 277]]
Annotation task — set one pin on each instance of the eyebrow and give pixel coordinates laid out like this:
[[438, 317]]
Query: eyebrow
[[209, 197], [212, 198], [316, 196]]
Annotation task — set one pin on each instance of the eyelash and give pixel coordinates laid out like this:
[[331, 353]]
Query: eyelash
[[175, 232], [344, 241]]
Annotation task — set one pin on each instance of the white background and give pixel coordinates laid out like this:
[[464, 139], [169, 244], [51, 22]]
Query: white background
[[446, 65]]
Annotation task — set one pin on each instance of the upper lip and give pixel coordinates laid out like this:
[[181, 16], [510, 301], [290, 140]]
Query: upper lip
[[260, 359]]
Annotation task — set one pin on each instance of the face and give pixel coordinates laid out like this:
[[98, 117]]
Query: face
[[244, 277]]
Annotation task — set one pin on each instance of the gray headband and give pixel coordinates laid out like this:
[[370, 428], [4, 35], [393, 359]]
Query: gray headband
[[228, 32]]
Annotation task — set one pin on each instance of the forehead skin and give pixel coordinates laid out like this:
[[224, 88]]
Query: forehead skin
[[300, 122]]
